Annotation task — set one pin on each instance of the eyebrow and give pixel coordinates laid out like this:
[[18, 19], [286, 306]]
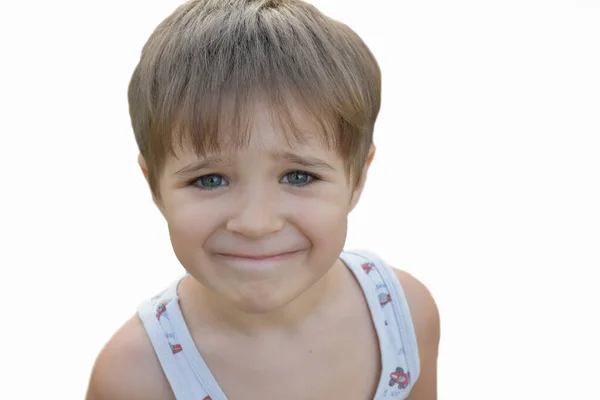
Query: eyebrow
[[212, 162], [305, 161]]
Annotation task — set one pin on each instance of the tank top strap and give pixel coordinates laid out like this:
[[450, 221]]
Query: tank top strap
[[163, 348], [402, 356], [166, 329]]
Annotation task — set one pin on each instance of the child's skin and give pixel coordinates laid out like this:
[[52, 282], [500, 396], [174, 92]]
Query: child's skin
[[297, 327]]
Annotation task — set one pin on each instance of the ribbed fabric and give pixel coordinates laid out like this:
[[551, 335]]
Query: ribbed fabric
[[191, 379]]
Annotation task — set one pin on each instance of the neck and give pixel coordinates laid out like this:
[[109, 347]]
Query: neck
[[303, 311]]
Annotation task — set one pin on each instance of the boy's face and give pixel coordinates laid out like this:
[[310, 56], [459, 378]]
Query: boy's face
[[232, 214]]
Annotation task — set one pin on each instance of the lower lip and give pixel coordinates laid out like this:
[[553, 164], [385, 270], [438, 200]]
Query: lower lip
[[259, 264], [277, 257]]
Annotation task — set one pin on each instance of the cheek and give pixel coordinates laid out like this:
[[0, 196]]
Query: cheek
[[189, 226], [324, 219]]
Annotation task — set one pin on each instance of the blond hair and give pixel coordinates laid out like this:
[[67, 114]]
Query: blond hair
[[211, 52]]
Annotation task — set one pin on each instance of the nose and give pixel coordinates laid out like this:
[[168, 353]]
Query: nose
[[255, 216]]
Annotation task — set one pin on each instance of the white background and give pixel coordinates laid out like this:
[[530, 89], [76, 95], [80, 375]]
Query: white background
[[486, 186]]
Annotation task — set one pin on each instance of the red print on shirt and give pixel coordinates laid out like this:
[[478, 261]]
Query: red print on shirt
[[367, 267], [384, 298], [160, 310], [175, 348], [207, 398], [399, 378]]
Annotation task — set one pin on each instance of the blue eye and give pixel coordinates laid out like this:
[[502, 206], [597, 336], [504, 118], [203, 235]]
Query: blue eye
[[209, 182], [293, 178], [299, 178]]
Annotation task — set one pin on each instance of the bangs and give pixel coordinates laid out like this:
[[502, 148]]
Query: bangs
[[224, 121]]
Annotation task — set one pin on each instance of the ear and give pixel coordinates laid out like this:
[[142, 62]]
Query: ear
[[144, 168], [361, 184], [142, 164]]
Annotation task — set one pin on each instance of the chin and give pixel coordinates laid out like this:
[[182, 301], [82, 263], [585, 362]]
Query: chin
[[265, 300]]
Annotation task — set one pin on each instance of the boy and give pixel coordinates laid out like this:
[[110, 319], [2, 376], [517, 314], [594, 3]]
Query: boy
[[254, 120]]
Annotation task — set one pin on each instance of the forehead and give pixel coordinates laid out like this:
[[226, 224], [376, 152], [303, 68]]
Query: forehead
[[264, 145], [261, 127]]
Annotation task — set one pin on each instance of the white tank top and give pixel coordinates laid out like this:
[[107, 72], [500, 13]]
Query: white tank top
[[191, 379]]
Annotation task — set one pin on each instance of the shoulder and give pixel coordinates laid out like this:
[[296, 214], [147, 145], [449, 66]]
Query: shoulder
[[423, 308], [426, 319], [127, 368]]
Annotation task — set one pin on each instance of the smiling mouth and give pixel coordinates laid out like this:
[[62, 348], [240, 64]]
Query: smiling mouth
[[259, 257]]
